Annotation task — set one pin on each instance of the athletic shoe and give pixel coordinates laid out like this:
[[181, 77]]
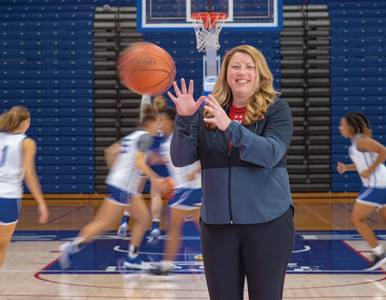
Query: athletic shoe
[[122, 231], [198, 257], [154, 236], [376, 262], [136, 263], [65, 258], [163, 268]]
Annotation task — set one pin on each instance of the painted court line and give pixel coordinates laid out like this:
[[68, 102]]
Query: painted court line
[[364, 257], [66, 214], [38, 276], [319, 216]]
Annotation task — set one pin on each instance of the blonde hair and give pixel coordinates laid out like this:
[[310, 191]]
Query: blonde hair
[[10, 120], [160, 103], [264, 95], [150, 115]]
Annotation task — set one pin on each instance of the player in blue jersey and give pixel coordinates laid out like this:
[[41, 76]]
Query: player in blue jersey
[[126, 161], [17, 162], [159, 103], [186, 199], [368, 157]]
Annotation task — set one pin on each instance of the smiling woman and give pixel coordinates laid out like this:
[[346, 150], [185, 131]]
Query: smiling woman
[[246, 81], [242, 78], [241, 138]]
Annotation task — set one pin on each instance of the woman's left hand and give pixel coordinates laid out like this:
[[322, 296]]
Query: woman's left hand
[[365, 173], [220, 117]]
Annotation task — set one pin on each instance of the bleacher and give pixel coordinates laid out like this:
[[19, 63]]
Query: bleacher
[[358, 75], [46, 64]]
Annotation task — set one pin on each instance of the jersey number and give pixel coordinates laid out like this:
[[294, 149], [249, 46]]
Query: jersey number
[[3, 156]]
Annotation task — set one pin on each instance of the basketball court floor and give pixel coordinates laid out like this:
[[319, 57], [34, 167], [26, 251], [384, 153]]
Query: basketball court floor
[[327, 262]]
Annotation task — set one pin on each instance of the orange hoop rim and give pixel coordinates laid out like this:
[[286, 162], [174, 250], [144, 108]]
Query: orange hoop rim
[[212, 16]]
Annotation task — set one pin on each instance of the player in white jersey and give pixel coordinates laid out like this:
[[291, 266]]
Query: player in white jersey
[[368, 157], [186, 199], [159, 102], [17, 162], [126, 160]]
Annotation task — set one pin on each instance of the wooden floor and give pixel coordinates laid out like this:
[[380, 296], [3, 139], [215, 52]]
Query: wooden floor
[[22, 275]]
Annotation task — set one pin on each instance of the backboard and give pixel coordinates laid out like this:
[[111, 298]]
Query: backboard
[[175, 15]]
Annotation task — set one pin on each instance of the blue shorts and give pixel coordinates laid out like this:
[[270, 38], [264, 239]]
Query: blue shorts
[[372, 196], [187, 199], [9, 210], [118, 196]]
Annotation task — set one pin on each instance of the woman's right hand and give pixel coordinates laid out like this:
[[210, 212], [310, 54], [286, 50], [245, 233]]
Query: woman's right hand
[[185, 104], [341, 168], [43, 213]]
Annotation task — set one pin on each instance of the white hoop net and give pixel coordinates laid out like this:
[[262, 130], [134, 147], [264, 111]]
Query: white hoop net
[[206, 34]]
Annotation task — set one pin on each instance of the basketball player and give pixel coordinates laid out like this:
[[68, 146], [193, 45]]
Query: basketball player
[[186, 199], [159, 103], [368, 158], [17, 162], [126, 160]]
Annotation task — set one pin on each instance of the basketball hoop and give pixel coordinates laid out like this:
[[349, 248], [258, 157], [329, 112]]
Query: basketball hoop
[[207, 27]]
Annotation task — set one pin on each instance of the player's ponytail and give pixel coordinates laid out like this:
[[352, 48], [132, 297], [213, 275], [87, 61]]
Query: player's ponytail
[[150, 115], [359, 123], [10, 120], [160, 103]]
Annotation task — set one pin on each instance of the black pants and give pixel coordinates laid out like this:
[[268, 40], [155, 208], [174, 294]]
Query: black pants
[[258, 252]]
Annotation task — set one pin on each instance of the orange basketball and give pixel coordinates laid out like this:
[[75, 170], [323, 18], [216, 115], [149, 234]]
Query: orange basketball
[[146, 68], [168, 187]]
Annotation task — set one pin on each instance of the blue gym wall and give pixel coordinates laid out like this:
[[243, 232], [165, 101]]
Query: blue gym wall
[[46, 64]]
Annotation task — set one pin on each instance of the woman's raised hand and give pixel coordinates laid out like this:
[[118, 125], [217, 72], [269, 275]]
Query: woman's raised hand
[[220, 117], [185, 104]]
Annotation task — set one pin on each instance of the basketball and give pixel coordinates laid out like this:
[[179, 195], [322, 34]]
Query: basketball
[[146, 68], [167, 187]]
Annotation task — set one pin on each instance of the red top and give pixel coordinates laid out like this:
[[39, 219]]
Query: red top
[[237, 114]]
